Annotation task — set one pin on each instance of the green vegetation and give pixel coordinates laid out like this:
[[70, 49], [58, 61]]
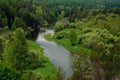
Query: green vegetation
[[65, 42], [24, 59], [8, 73], [88, 28], [96, 41], [47, 70]]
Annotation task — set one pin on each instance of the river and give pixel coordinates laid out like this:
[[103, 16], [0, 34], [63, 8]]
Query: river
[[58, 55]]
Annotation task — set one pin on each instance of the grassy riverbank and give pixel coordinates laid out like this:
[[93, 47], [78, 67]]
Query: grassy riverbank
[[64, 41], [47, 70]]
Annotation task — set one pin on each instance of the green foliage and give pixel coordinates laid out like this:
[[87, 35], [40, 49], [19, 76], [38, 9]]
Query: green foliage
[[61, 35], [72, 25], [1, 47], [62, 24], [33, 61], [3, 21], [61, 16], [48, 37], [102, 44], [18, 22], [102, 37], [113, 22], [9, 73], [39, 10], [15, 55], [4, 35], [24, 56], [73, 37], [31, 76], [77, 8], [109, 21], [81, 68], [44, 69], [22, 14]]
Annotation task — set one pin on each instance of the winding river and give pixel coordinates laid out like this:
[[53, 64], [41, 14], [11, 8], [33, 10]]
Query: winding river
[[59, 56]]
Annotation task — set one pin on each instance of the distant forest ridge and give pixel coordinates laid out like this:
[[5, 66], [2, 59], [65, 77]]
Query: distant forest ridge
[[87, 4]]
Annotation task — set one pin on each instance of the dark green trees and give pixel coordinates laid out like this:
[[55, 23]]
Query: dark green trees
[[22, 13], [7, 73], [19, 22]]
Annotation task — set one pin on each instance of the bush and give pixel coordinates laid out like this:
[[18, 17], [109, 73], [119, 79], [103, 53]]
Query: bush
[[61, 35], [62, 24], [31, 76], [33, 60], [73, 37], [72, 25], [7, 73]]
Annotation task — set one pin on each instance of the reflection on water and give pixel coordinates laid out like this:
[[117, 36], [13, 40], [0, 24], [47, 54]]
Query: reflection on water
[[60, 57]]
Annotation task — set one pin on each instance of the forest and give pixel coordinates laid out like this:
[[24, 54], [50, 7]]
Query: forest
[[88, 29]]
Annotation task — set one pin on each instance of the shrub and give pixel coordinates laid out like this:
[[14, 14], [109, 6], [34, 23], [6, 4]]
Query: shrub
[[73, 37], [7, 73], [72, 25], [33, 60], [61, 35], [62, 24]]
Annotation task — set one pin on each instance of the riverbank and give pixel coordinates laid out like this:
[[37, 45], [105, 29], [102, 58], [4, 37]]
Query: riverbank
[[47, 70], [65, 43]]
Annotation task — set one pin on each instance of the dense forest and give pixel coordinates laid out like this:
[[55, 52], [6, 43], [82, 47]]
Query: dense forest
[[89, 29]]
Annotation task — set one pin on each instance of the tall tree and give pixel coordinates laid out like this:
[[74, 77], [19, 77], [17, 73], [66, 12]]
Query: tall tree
[[15, 51], [73, 37], [82, 68]]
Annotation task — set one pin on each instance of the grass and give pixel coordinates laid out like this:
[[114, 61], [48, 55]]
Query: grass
[[48, 69], [34, 46], [66, 43]]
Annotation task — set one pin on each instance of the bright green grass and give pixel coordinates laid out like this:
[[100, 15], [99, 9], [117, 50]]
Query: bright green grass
[[48, 69], [33, 45], [66, 43]]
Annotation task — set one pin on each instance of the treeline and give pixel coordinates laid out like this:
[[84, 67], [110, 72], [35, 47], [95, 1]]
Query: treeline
[[76, 8], [36, 13]]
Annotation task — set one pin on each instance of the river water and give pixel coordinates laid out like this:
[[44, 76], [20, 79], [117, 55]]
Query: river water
[[59, 56]]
